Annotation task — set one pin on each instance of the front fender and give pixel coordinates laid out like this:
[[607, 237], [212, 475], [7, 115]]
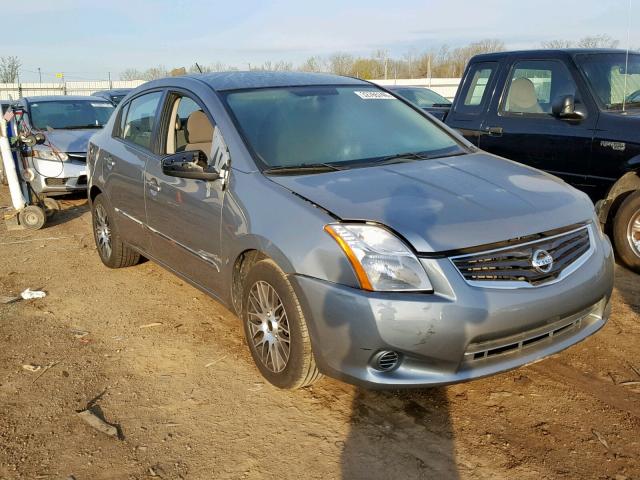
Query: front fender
[[259, 214]]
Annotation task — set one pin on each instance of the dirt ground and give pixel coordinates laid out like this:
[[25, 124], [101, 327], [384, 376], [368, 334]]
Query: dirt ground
[[189, 403]]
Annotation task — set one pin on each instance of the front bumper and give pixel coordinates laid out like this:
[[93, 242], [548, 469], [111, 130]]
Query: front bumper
[[460, 332], [53, 177]]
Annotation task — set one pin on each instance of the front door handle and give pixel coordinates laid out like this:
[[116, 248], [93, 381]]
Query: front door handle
[[154, 188], [494, 131]]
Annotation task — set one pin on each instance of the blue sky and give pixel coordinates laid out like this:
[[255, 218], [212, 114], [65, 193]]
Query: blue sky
[[86, 39]]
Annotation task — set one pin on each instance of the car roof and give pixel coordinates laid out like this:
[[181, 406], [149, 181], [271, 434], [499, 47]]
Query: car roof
[[53, 98], [258, 79], [397, 87], [557, 52], [114, 91]]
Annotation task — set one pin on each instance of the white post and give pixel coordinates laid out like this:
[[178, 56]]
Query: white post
[[9, 167]]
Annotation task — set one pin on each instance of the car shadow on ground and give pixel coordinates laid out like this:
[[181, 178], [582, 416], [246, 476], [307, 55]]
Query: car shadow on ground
[[406, 434]]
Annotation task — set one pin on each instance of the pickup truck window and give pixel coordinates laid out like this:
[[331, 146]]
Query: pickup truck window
[[480, 75], [610, 80], [534, 85]]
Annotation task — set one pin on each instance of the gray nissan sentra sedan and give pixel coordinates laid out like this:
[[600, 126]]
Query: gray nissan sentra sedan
[[353, 234]]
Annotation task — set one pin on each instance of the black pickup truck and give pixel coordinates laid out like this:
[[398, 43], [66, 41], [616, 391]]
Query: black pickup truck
[[574, 113]]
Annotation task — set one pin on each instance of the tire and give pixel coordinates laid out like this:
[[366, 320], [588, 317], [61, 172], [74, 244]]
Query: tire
[[32, 217], [626, 229], [265, 316], [113, 252]]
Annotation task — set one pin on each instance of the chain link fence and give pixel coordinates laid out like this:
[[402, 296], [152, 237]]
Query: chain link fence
[[13, 91]]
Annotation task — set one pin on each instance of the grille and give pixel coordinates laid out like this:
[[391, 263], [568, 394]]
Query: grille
[[386, 360], [534, 263], [515, 346], [55, 182], [531, 338]]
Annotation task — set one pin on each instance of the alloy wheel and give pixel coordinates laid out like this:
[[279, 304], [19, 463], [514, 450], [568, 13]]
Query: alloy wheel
[[269, 326], [633, 233], [103, 231]]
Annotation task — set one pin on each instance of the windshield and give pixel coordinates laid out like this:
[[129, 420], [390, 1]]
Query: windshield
[[296, 126], [609, 81], [69, 114], [423, 97]]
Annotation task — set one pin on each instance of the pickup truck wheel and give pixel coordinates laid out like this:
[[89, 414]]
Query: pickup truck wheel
[[275, 328], [626, 232], [113, 252]]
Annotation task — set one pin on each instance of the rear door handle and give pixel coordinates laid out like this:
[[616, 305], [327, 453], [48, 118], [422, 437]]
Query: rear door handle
[[154, 188], [495, 131]]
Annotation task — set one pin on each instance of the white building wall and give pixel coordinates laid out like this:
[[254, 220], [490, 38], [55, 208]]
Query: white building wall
[[447, 87]]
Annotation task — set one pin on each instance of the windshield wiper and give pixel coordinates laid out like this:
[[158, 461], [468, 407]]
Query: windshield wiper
[[304, 167], [78, 127], [400, 157]]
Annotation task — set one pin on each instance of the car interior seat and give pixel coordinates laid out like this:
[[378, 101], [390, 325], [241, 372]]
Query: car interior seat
[[522, 97], [199, 133]]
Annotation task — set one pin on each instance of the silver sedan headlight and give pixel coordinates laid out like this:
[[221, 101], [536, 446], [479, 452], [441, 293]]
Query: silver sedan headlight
[[381, 261]]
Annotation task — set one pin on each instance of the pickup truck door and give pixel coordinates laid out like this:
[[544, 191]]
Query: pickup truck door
[[519, 124], [469, 106]]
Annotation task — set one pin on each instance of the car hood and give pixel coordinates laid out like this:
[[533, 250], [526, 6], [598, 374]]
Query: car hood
[[71, 140], [450, 203]]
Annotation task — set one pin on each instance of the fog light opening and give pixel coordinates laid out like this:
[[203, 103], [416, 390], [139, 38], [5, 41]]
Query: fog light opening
[[385, 360]]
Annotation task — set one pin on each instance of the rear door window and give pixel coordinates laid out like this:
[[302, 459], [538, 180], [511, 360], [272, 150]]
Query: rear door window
[[476, 87], [140, 120]]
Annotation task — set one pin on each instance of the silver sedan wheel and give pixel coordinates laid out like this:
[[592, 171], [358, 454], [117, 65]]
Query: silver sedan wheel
[[103, 231], [269, 326], [633, 233]]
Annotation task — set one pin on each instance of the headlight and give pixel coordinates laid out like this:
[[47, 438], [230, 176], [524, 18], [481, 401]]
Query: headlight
[[49, 154], [382, 262]]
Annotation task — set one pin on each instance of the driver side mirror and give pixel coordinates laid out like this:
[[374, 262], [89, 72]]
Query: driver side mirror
[[192, 164], [564, 108]]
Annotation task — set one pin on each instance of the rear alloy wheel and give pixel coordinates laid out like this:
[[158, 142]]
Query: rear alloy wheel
[[113, 252], [626, 232], [275, 328]]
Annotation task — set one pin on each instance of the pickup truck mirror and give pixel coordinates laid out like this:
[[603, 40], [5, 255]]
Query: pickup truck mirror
[[564, 107], [192, 164]]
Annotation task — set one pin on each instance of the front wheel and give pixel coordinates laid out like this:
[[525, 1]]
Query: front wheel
[[626, 232], [275, 328], [113, 252]]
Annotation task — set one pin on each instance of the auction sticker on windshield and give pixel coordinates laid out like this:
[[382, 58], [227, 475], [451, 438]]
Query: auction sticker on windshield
[[369, 95]]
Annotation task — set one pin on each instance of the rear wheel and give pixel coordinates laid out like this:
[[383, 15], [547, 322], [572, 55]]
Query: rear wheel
[[113, 252], [275, 328], [626, 232]]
